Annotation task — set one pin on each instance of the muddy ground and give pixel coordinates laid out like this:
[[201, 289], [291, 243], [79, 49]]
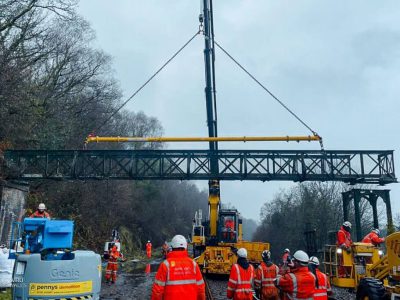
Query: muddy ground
[[135, 280]]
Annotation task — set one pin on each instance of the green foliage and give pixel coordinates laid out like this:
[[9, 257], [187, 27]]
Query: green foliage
[[33, 200], [139, 210], [5, 295], [129, 243], [311, 205], [55, 89], [285, 218]]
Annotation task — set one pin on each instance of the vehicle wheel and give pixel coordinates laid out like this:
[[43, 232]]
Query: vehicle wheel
[[370, 289]]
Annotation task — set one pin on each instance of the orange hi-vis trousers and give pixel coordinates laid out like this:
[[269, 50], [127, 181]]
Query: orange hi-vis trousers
[[111, 271]]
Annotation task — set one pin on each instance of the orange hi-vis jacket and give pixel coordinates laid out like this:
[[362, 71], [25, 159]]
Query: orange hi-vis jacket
[[148, 247], [323, 288], [178, 277], [37, 214], [285, 258], [264, 280], [298, 285], [115, 254], [343, 238], [373, 238], [112, 264], [230, 224], [240, 285]]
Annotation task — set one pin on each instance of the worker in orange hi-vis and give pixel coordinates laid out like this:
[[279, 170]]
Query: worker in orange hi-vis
[[265, 275], [148, 249], [241, 279], [112, 264], [40, 212], [322, 285], [286, 263], [344, 242], [179, 276], [229, 228], [300, 283], [373, 238]]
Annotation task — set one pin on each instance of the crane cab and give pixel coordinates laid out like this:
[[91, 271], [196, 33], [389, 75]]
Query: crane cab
[[229, 226]]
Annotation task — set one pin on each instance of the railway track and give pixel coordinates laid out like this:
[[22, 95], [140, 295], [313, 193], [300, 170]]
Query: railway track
[[216, 288], [209, 295]]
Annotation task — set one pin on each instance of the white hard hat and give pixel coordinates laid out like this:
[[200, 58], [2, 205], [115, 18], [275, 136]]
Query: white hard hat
[[376, 230], [179, 241], [347, 224], [42, 206], [242, 252], [286, 250], [301, 256], [314, 260], [148, 241]]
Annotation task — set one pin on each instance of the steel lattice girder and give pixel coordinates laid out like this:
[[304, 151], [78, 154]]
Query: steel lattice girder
[[347, 166]]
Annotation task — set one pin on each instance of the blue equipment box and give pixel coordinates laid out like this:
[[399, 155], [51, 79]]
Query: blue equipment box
[[52, 234]]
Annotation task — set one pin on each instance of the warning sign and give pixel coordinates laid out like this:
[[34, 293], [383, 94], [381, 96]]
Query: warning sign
[[65, 288]]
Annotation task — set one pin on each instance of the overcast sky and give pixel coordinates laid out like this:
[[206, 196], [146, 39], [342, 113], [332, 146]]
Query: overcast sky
[[335, 63]]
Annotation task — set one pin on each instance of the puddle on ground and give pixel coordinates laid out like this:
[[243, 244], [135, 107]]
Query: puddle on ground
[[134, 281]]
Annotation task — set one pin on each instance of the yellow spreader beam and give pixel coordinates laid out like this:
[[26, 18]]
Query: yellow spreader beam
[[121, 139]]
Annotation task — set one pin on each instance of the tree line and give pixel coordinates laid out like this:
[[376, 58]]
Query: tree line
[[55, 89], [307, 207]]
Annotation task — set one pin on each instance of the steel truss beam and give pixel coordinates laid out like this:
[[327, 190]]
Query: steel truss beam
[[371, 195], [375, 167]]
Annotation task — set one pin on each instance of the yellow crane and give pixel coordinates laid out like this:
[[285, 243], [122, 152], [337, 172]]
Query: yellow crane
[[213, 241]]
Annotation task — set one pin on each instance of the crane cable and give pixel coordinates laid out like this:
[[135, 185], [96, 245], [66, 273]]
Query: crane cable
[[148, 80], [270, 93], [234, 60]]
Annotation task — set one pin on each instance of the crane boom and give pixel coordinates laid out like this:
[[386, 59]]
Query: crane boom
[[211, 105]]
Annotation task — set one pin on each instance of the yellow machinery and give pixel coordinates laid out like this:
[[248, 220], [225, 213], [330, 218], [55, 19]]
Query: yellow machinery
[[214, 241], [366, 269]]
